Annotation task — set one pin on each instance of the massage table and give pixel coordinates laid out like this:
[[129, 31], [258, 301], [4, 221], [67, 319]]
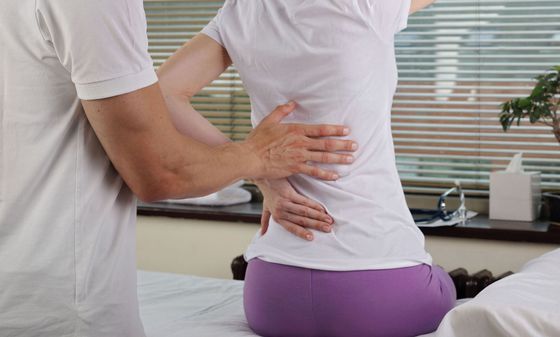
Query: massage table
[[521, 305]]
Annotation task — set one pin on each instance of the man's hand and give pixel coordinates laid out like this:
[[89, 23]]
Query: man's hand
[[281, 150], [294, 212]]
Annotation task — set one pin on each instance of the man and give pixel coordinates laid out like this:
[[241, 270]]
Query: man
[[68, 175]]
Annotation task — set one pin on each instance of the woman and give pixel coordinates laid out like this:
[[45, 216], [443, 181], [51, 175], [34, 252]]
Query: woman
[[370, 275]]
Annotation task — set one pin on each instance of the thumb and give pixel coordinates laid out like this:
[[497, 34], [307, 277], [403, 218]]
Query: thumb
[[265, 220], [281, 112]]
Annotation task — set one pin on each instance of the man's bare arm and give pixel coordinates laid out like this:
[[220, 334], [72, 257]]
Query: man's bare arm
[[417, 5], [158, 162]]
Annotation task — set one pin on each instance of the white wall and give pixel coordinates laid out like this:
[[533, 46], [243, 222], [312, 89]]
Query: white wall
[[195, 247], [206, 248]]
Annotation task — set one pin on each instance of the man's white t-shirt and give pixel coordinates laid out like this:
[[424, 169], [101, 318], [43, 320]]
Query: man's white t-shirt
[[336, 59], [67, 220]]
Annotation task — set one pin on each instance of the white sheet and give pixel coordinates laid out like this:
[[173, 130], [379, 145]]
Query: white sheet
[[183, 306], [522, 305]]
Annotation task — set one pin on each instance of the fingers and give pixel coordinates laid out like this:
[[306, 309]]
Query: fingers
[[302, 216], [296, 230], [299, 219], [307, 222], [317, 172], [300, 226], [265, 220], [316, 221], [329, 158], [332, 145], [279, 113], [322, 130], [308, 218], [299, 199]]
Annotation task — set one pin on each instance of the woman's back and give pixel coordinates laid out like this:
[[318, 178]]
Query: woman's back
[[336, 60]]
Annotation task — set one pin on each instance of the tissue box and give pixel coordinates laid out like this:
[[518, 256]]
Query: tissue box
[[515, 196]]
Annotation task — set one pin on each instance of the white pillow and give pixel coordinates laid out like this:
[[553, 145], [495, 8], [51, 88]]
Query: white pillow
[[526, 304]]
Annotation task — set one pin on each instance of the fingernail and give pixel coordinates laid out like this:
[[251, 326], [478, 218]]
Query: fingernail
[[349, 159], [346, 131], [327, 229], [354, 146], [335, 176], [328, 220], [309, 237]]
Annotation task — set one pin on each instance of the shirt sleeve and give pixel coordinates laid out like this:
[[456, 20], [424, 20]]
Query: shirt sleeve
[[212, 29], [386, 17], [102, 43]]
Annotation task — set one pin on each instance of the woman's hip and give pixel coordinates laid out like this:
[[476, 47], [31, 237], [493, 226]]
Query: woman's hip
[[283, 300]]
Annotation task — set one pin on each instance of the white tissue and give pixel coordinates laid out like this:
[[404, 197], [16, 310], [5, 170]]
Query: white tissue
[[516, 164]]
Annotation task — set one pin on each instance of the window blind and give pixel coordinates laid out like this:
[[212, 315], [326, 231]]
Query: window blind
[[458, 61], [170, 24]]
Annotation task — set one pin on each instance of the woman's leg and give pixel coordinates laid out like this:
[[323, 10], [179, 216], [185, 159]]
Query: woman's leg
[[289, 301]]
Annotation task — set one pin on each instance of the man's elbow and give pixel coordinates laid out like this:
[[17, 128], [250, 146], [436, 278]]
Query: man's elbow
[[168, 186], [149, 194], [154, 189]]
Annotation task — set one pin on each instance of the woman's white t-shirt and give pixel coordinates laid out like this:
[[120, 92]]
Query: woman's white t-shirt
[[336, 59]]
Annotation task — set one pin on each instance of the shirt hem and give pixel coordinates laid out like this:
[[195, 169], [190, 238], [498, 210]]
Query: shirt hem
[[213, 35], [343, 265], [117, 86]]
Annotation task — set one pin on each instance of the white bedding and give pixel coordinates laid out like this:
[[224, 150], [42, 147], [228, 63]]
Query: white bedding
[[182, 306], [525, 304]]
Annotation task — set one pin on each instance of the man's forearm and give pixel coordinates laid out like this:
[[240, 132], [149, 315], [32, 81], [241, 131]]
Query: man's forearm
[[210, 170], [158, 162], [221, 166]]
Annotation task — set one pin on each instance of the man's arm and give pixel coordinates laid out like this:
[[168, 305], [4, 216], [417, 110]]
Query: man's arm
[[417, 5], [158, 162]]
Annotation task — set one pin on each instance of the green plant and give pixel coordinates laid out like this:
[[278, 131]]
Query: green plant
[[542, 106]]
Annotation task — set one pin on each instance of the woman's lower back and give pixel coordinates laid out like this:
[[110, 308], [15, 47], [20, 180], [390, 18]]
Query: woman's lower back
[[373, 229], [286, 301]]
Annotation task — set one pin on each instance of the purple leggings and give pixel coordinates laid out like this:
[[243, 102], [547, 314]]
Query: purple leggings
[[286, 301]]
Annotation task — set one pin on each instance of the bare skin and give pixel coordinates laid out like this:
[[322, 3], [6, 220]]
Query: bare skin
[[417, 5]]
